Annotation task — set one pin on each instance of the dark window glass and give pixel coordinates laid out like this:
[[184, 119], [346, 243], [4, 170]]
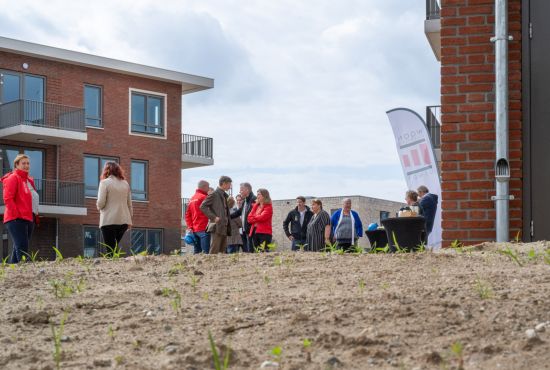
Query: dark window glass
[[92, 240], [149, 240], [11, 88], [92, 171], [384, 215], [92, 105], [139, 180], [34, 88], [147, 114], [36, 157]]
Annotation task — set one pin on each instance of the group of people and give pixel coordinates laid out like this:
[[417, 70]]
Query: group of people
[[114, 202], [219, 223]]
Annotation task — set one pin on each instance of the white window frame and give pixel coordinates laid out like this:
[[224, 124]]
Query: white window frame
[[164, 97]]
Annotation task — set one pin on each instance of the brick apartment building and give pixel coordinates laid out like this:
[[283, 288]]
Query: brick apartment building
[[459, 32], [71, 112]]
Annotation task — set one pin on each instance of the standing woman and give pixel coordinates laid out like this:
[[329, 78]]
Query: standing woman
[[114, 202], [318, 229], [260, 218], [21, 200]]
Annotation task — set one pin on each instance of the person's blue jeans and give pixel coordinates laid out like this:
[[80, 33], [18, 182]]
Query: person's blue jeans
[[247, 243], [202, 242], [21, 232], [233, 248], [296, 243]]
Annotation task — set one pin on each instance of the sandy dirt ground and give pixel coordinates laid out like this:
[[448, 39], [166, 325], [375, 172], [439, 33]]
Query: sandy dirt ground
[[475, 308]]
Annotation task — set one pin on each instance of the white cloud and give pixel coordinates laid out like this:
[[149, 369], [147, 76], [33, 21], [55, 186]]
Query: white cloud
[[298, 84]]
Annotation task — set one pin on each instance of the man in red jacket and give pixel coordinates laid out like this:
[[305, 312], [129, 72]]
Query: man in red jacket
[[197, 221]]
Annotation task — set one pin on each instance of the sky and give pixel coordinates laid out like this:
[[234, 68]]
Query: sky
[[301, 87]]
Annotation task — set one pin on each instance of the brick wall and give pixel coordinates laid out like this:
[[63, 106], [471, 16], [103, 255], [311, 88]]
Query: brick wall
[[65, 85], [468, 119], [368, 209]]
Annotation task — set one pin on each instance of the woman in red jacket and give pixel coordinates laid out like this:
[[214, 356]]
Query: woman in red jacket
[[21, 200], [259, 219]]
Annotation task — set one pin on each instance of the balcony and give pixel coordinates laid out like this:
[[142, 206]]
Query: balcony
[[432, 26], [57, 198], [197, 151], [433, 124], [39, 122]]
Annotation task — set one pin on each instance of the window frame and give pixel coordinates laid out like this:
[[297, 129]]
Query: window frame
[[99, 158], [100, 105], [164, 113], [146, 180], [22, 84], [146, 238]]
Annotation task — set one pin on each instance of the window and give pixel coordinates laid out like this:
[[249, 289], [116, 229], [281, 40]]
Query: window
[[384, 215], [36, 157], [93, 165], [92, 241], [92, 105], [149, 240], [15, 86], [147, 113], [139, 180]]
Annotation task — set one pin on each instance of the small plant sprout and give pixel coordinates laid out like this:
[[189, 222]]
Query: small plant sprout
[[205, 296], [235, 257], [111, 332], [361, 285], [57, 335], [306, 346], [267, 280], [517, 238], [532, 254], [277, 353], [113, 253], [272, 247], [176, 302], [218, 365], [301, 247], [58, 255], [547, 257], [513, 255], [457, 351], [306, 343], [176, 269], [358, 249], [277, 261], [194, 280], [119, 360], [483, 289]]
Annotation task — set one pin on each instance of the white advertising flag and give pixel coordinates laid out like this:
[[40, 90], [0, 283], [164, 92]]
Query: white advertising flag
[[417, 159]]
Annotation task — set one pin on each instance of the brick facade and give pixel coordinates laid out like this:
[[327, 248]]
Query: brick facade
[[468, 120], [64, 84]]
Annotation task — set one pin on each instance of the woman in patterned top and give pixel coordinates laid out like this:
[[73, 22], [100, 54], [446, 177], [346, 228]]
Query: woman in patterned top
[[318, 229]]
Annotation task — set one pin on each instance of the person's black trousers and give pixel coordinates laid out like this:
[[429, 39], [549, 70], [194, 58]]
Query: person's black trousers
[[21, 232], [112, 234], [258, 239]]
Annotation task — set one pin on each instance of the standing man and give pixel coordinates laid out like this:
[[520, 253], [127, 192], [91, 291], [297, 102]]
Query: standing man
[[248, 200], [216, 209], [197, 221], [346, 226], [298, 219], [428, 202]]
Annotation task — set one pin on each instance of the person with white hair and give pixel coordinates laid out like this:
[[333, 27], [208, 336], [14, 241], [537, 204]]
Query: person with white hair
[[347, 227]]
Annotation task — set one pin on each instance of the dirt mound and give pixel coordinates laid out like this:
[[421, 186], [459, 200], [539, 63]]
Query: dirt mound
[[478, 307]]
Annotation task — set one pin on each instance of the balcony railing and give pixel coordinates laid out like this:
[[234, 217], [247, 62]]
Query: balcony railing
[[432, 9], [197, 146], [40, 114], [433, 123], [57, 193]]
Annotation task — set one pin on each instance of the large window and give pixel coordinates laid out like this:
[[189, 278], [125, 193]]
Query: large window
[[36, 157], [139, 180], [15, 86], [149, 240], [147, 113], [92, 241], [92, 105], [93, 165]]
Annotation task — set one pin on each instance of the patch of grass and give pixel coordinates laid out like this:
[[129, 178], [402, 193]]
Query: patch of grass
[[218, 365], [65, 287], [57, 334], [513, 255], [176, 269], [113, 253], [483, 289]]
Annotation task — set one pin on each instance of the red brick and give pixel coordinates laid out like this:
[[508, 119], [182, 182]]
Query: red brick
[[477, 224], [473, 185]]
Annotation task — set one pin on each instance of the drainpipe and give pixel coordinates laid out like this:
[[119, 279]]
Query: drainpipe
[[502, 166]]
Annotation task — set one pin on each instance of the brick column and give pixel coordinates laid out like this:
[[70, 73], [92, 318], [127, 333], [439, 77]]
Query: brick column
[[468, 120]]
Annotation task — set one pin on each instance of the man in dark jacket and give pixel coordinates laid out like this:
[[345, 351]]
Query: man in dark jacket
[[298, 219], [248, 200], [215, 207], [428, 202]]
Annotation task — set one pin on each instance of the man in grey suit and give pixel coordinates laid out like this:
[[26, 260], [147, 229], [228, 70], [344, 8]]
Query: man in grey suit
[[216, 209]]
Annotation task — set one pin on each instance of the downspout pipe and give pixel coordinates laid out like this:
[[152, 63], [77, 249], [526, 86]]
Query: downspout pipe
[[502, 164]]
